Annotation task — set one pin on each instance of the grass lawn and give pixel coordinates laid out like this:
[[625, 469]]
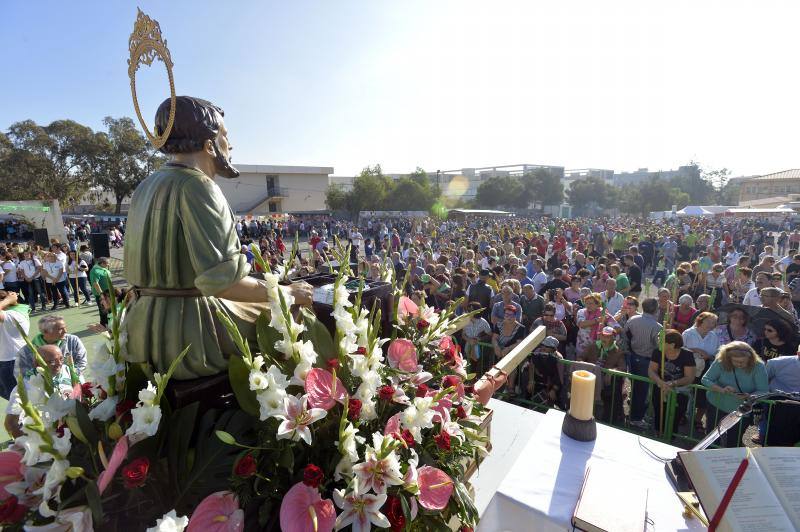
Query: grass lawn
[[78, 322]]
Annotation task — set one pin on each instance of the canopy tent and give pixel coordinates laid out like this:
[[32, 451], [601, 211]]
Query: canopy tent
[[694, 210]]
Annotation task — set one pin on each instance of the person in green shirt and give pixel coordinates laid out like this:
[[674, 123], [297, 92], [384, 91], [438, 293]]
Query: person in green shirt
[[736, 373], [623, 283], [100, 281]]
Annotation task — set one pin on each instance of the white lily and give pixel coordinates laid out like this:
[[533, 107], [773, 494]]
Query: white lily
[[360, 511], [376, 473], [297, 417], [170, 522]]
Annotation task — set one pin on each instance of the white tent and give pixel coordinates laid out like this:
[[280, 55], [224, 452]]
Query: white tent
[[694, 210]]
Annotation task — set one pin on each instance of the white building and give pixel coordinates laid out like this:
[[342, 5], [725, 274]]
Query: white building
[[268, 189]]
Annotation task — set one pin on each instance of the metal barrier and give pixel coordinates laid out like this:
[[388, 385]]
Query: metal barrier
[[610, 410]]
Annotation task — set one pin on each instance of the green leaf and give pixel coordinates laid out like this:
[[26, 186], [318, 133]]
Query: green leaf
[[239, 376], [86, 425], [318, 334], [181, 423], [165, 380], [95, 505], [267, 336]]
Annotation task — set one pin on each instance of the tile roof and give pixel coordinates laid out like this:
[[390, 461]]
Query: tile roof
[[786, 174]]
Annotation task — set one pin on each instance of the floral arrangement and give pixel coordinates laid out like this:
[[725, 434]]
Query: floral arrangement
[[333, 430]]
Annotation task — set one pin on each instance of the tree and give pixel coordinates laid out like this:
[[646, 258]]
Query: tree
[[543, 186], [694, 183], [122, 159], [654, 195], [46, 162], [337, 199], [501, 191], [592, 194]]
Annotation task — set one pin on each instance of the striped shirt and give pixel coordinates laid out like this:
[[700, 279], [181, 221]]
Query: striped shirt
[[643, 331]]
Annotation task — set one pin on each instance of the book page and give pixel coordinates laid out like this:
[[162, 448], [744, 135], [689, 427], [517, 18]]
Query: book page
[[754, 505], [781, 466]]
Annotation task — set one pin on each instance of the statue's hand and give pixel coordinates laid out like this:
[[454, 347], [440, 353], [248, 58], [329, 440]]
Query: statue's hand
[[302, 293]]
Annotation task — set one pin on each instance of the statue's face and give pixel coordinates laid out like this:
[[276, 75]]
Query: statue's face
[[222, 140]]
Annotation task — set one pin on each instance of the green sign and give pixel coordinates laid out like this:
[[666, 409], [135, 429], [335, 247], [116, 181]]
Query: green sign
[[8, 208]]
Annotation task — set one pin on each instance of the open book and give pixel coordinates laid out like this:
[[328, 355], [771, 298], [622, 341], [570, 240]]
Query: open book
[[767, 497]]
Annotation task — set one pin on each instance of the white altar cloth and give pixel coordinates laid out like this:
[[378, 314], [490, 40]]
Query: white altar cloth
[[541, 490]]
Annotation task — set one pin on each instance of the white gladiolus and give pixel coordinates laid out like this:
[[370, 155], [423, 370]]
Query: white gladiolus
[[105, 410], [170, 522]]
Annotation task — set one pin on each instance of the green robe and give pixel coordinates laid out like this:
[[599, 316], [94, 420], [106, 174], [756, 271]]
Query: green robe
[[181, 234]]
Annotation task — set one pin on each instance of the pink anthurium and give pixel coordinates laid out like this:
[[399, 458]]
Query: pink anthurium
[[11, 470], [219, 512], [403, 355], [435, 488], [119, 454], [406, 308], [303, 510], [324, 389]]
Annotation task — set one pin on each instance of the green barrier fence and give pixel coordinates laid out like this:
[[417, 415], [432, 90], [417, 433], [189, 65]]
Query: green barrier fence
[[679, 405]]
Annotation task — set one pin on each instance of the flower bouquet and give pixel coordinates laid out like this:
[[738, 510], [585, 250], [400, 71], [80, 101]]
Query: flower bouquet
[[333, 430]]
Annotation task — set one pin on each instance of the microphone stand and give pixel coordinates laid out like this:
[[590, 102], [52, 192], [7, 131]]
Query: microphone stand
[[674, 468]]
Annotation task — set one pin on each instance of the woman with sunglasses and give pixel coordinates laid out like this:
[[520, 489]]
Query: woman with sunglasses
[[778, 341]]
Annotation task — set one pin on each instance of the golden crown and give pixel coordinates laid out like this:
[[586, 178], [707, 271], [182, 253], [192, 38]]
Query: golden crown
[[146, 45]]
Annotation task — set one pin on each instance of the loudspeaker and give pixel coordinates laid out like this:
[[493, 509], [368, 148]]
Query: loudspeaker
[[99, 244], [41, 238]]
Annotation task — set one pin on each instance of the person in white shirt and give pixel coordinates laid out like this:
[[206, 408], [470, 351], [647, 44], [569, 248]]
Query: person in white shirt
[[55, 276], [9, 269], [612, 298], [752, 296], [29, 274], [78, 278], [11, 341]]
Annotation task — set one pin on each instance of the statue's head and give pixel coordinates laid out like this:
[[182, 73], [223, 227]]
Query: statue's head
[[199, 127]]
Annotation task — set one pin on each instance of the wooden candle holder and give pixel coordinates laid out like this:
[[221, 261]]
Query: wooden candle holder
[[578, 429]]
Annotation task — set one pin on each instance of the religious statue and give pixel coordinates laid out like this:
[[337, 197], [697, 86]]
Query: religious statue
[[182, 254]]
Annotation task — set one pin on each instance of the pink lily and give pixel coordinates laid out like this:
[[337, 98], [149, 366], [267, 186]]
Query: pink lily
[[297, 417]]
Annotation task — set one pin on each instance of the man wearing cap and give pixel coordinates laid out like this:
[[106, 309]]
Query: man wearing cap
[[606, 354], [770, 297], [545, 373]]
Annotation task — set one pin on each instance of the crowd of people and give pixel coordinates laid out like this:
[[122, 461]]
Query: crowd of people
[[701, 310], [696, 307]]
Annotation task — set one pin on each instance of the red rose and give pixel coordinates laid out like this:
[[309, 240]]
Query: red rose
[[361, 350], [460, 412], [386, 392], [312, 476], [86, 390], [422, 390], [465, 528], [135, 473], [393, 510], [422, 325], [123, 410], [354, 409], [333, 363], [408, 438], [11, 511], [245, 467], [442, 441]]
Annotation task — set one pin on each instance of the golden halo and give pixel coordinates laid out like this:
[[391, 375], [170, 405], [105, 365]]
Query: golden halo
[[146, 45]]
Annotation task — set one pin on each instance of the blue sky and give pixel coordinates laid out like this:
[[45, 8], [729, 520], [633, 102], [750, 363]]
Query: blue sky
[[441, 84]]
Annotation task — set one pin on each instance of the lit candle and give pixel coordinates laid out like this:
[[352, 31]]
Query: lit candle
[[581, 404]]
